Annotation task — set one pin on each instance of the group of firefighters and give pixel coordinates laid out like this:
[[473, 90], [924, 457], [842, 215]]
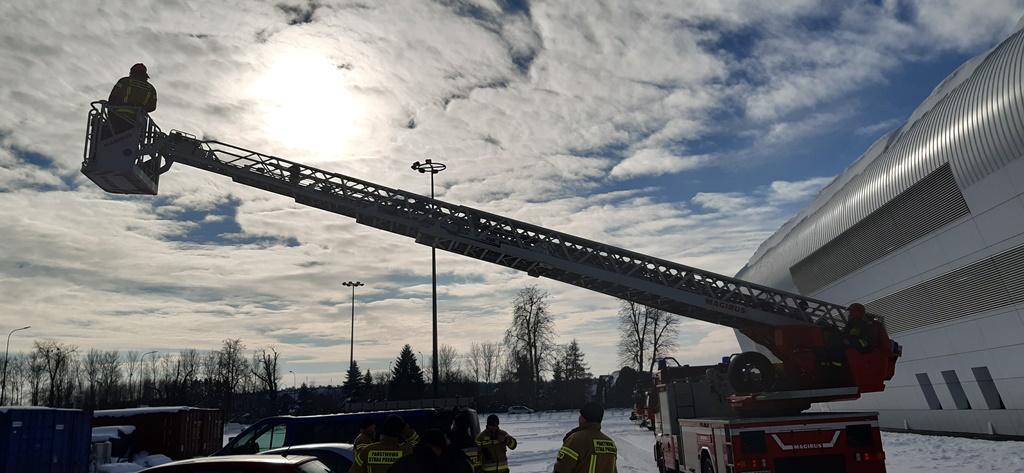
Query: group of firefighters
[[401, 450]]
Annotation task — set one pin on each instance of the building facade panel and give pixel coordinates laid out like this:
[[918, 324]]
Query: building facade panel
[[927, 230]]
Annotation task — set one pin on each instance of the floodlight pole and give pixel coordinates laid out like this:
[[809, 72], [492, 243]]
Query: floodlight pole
[[432, 168], [352, 333]]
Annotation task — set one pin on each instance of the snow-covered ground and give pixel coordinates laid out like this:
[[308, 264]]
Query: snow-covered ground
[[540, 435]]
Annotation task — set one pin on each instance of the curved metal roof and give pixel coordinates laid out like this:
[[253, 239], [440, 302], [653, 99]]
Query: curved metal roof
[[973, 120]]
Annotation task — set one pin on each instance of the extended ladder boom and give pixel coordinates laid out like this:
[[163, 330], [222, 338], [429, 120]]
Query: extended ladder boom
[[539, 251], [806, 335]]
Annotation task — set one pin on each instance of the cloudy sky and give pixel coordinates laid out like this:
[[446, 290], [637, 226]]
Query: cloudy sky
[[685, 130]]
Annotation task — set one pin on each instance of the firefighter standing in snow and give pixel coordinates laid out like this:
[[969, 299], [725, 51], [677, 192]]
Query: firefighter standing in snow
[[586, 448], [492, 444]]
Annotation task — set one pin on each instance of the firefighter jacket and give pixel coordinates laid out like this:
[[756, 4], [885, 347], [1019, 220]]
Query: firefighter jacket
[[377, 457], [586, 450], [136, 92], [410, 436], [465, 442], [361, 440], [492, 456]]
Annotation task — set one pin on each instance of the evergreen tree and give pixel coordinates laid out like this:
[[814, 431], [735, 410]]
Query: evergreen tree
[[407, 382], [353, 386], [368, 386], [572, 377]]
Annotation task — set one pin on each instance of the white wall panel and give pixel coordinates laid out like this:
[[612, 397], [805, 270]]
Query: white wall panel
[[928, 254], [961, 241], [1002, 222], [935, 343], [901, 267], [990, 192], [1012, 392], [1002, 330]]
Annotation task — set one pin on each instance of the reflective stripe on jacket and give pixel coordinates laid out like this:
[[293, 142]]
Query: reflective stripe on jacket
[[377, 457], [492, 456], [587, 450], [361, 440]]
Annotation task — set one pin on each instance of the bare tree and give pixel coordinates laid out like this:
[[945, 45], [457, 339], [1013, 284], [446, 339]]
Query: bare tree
[[232, 370], [180, 377], [476, 361], [17, 379], [131, 365], [449, 366], [664, 329], [267, 374], [532, 331], [57, 361], [91, 370], [36, 369], [110, 379], [647, 334], [492, 358], [633, 340]]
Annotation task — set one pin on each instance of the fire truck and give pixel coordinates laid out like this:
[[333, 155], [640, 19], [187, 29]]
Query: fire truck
[[699, 429], [801, 359]]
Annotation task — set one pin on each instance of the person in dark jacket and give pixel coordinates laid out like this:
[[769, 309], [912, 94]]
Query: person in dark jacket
[[462, 438], [367, 434], [433, 454], [133, 91]]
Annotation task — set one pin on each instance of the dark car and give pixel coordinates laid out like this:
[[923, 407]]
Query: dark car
[[285, 431], [337, 456], [244, 464]]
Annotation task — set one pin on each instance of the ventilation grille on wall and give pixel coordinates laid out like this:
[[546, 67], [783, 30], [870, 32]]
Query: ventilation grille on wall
[[921, 209], [994, 282]]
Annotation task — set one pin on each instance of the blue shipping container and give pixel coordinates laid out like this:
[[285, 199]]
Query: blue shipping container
[[44, 440]]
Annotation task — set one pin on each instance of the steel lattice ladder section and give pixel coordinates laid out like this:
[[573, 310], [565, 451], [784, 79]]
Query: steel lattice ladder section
[[539, 251]]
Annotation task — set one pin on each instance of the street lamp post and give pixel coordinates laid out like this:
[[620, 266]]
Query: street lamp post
[[352, 334], [293, 378], [432, 168], [7, 352], [142, 361]]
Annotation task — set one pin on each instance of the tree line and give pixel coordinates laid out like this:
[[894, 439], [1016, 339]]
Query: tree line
[[525, 367]]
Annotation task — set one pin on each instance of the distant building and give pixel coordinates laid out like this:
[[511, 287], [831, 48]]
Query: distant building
[[927, 230]]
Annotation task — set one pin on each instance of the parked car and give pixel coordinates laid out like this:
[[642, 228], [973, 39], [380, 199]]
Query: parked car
[[246, 463], [283, 431], [337, 456], [520, 410]]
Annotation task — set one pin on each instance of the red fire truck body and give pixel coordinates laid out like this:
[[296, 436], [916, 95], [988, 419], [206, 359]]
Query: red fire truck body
[[698, 431], [825, 442]]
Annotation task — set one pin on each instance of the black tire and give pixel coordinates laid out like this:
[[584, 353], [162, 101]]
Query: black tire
[[751, 372], [659, 458], [706, 466]]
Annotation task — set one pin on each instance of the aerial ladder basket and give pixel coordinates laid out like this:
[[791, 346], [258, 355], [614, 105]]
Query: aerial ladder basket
[[121, 150]]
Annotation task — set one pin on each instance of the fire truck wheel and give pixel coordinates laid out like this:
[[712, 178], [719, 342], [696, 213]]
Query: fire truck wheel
[[659, 458], [706, 466], [751, 372]]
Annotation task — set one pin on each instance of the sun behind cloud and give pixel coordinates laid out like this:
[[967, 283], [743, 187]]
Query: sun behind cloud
[[306, 103]]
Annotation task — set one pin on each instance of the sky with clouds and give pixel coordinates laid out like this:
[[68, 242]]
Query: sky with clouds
[[689, 131]]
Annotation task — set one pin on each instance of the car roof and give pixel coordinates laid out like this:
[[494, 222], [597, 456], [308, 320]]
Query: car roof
[[232, 460], [334, 447]]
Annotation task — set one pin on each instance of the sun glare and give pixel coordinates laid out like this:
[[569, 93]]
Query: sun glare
[[306, 102]]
